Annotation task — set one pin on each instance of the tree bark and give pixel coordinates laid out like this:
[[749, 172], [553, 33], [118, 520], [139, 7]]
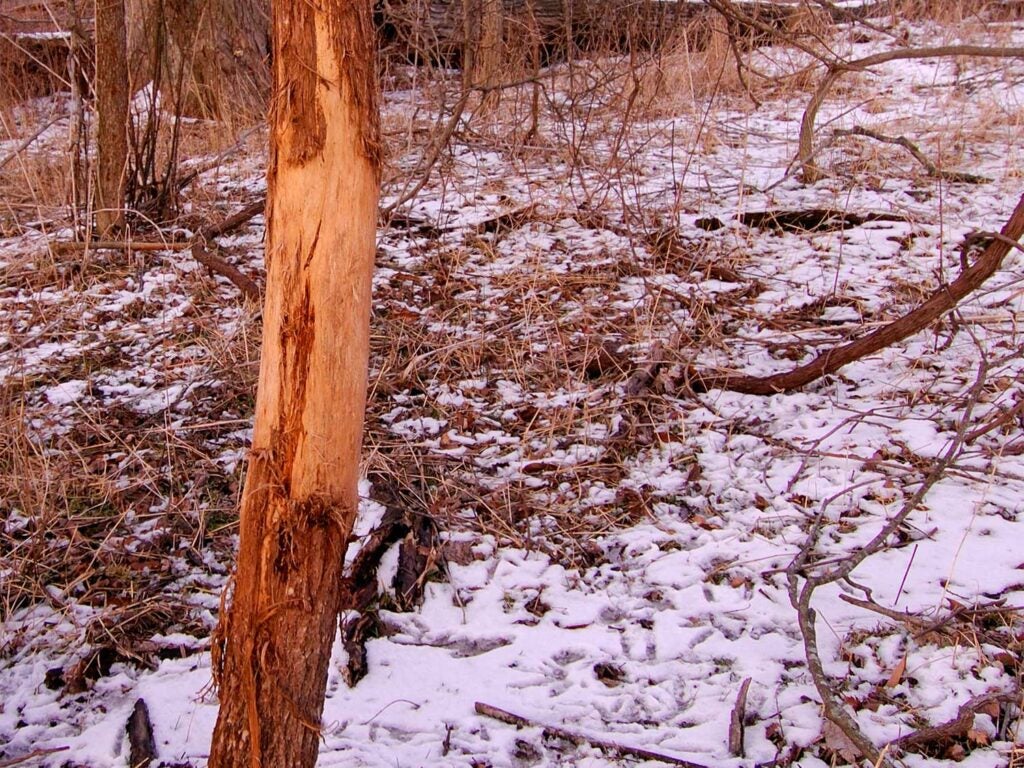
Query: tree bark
[[112, 112], [215, 52], [272, 647], [483, 62]]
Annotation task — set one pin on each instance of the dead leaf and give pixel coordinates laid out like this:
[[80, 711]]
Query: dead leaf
[[703, 522], [838, 743], [990, 708], [976, 736], [897, 674], [955, 752], [738, 580]]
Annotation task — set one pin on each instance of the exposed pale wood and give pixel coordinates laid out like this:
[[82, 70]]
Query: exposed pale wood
[[272, 647]]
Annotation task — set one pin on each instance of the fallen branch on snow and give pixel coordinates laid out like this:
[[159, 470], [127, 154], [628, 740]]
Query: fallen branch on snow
[[958, 727], [810, 172], [197, 246], [31, 756], [932, 169], [941, 301], [604, 745]]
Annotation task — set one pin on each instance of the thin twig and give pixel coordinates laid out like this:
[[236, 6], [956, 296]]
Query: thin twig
[[198, 247], [955, 728], [217, 159], [426, 165], [870, 605], [1003, 418], [604, 745], [800, 597], [31, 756], [27, 142]]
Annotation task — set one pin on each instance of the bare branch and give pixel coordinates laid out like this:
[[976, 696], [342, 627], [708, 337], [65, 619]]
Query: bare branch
[[811, 172], [942, 300], [933, 170]]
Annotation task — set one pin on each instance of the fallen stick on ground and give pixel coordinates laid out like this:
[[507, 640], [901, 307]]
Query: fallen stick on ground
[[736, 721], [945, 298], [216, 264], [604, 745], [956, 728], [120, 245], [197, 246], [31, 756], [933, 170]]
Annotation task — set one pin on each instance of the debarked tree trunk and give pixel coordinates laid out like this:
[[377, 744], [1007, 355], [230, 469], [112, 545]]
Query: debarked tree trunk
[[273, 645]]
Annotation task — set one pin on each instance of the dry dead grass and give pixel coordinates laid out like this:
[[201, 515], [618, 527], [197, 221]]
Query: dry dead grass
[[68, 506], [953, 12]]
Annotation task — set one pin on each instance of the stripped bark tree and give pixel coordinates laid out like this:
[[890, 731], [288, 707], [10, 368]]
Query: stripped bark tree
[[272, 647], [112, 112]]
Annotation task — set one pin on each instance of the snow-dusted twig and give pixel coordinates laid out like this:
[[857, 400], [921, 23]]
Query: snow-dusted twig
[[31, 756], [800, 596], [510, 718]]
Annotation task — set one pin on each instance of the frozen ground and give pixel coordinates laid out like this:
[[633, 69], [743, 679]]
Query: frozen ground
[[611, 563]]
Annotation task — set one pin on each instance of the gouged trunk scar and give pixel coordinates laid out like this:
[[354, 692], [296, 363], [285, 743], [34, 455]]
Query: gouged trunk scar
[[312, 247]]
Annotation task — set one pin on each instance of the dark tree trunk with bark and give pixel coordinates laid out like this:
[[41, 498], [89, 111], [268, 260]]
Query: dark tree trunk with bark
[[273, 646], [112, 111], [215, 52]]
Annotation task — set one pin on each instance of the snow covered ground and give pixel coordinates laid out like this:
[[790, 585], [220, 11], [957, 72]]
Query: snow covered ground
[[613, 563]]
